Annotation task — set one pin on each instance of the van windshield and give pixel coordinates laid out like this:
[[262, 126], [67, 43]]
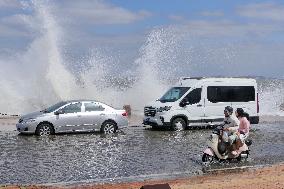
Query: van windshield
[[174, 94]]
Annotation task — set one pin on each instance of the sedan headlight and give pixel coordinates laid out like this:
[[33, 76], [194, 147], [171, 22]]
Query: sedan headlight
[[28, 120], [165, 108]]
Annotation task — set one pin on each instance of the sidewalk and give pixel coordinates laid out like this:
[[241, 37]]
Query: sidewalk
[[271, 177]]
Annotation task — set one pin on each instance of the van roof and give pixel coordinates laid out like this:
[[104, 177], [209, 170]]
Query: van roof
[[189, 81]]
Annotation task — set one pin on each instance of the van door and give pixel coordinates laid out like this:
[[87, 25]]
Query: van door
[[217, 98], [195, 105]]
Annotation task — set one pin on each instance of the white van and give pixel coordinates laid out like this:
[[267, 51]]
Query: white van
[[195, 101]]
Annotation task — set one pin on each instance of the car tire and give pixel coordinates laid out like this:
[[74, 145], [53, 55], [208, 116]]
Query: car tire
[[108, 127], [44, 129], [178, 124]]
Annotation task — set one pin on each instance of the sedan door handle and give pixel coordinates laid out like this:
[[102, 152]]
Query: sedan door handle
[[102, 114], [79, 116], [199, 105]]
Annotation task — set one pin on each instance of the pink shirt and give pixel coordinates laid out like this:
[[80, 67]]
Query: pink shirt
[[244, 125]]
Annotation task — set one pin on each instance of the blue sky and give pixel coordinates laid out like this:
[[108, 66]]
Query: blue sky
[[210, 37]]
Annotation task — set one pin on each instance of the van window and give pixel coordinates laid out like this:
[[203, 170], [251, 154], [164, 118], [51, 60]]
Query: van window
[[194, 96], [230, 93], [174, 94]]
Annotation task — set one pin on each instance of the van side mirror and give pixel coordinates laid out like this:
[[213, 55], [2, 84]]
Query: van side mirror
[[184, 103], [59, 112]]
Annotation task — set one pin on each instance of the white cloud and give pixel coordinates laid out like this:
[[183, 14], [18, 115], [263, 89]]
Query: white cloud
[[13, 24], [268, 11], [16, 25], [15, 20], [6, 31], [99, 12], [10, 4], [229, 28], [177, 18], [212, 13]]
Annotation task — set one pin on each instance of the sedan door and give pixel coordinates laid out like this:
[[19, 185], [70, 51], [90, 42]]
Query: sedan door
[[69, 118], [94, 115]]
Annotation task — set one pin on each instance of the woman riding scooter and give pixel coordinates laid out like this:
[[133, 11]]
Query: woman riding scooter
[[241, 132]]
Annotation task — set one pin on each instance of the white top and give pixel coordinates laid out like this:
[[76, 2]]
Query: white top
[[231, 121]]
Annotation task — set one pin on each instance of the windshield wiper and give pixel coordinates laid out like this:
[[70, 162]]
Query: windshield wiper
[[44, 111]]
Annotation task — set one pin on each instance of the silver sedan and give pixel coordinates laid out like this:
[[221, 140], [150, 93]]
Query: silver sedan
[[73, 116]]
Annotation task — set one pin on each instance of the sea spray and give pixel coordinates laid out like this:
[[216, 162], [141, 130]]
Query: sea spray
[[271, 96], [40, 76], [155, 67], [95, 78], [61, 80]]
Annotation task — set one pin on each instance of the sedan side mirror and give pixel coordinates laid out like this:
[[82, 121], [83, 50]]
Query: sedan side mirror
[[59, 112]]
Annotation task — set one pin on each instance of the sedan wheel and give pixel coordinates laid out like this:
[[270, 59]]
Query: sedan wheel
[[108, 128], [44, 130]]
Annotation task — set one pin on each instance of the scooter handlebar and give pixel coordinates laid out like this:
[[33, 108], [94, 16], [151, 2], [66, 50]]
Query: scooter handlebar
[[219, 128]]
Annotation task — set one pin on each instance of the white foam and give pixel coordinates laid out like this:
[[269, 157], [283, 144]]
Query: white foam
[[40, 76], [271, 97]]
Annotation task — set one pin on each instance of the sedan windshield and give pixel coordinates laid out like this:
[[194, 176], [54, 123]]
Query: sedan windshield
[[53, 107], [174, 94]]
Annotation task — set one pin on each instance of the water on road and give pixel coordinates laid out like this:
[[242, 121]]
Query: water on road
[[134, 152]]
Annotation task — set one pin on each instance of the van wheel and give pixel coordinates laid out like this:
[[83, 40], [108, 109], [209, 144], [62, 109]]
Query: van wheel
[[44, 129], [108, 127], [178, 124]]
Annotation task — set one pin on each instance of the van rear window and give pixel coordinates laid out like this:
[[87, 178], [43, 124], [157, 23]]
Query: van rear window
[[230, 93]]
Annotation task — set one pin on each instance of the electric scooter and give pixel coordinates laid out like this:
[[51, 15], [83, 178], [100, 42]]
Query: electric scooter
[[220, 150]]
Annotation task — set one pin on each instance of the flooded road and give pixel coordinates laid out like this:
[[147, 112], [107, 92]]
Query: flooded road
[[133, 153]]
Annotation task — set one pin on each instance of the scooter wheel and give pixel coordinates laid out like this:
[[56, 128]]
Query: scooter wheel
[[207, 158], [243, 156], [239, 158]]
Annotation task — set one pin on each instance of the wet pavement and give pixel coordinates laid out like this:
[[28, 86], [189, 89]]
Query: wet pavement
[[133, 153]]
